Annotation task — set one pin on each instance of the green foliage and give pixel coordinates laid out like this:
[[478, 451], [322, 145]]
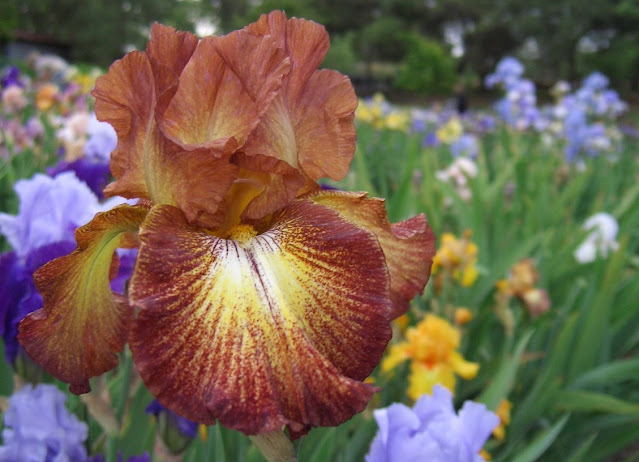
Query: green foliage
[[341, 55], [383, 39], [619, 62], [427, 68], [293, 8], [571, 373], [98, 30]]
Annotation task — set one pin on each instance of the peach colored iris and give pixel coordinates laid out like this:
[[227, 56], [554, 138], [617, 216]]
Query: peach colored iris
[[521, 283], [257, 299]]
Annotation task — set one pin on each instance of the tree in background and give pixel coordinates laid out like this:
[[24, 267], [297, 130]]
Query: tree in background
[[99, 30], [555, 38]]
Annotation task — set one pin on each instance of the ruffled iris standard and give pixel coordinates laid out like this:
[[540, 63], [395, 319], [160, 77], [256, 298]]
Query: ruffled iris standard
[[257, 298]]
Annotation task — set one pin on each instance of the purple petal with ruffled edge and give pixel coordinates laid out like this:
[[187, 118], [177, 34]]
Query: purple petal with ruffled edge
[[96, 175], [38, 427], [18, 294], [432, 431]]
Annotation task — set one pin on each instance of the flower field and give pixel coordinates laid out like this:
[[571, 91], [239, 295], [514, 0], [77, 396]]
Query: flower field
[[522, 346]]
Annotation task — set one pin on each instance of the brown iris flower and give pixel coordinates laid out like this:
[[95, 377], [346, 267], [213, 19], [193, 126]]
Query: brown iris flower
[[257, 298]]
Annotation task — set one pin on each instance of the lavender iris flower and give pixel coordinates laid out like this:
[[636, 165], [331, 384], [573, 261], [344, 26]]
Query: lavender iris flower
[[95, 174], [432, 431], [50, 211], [465, 146], [18, 294], [101, 142], [595, 82], [508, 71], [93, 167], [38, 428]]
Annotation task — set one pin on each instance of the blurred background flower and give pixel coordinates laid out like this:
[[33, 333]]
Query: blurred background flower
[[38, 428], [432, 430]]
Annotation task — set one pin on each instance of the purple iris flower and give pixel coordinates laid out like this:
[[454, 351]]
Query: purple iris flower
[[509, 70], [127, 259], [183, 425], [101, 142], [595, 82], [18, 294], [11, 76], [95, 174], [50, 211], [430, 140], [432, 431], [38, 428], [465, 146]]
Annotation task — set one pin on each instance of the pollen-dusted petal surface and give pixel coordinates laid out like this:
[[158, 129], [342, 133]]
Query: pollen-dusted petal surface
[[264, 330], [223, 90], [82, 324], [309, 124], [409, 246]]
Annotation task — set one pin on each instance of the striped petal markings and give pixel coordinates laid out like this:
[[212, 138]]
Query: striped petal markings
[[275, 326], [82, 324], [409, 246]]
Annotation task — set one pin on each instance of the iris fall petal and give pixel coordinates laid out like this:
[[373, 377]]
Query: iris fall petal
[[409, 246], [260, 331], [82, 325]]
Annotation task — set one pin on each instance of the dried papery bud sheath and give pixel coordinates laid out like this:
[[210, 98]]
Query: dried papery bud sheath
[[275, 447]]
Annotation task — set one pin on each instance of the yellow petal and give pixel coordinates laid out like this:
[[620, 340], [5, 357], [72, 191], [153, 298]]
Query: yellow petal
[[463, 368], [423, 378]]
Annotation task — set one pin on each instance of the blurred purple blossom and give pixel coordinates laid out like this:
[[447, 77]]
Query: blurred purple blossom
[[508, 71], [11, 76], [38, 428], [95, 174], [466, 145], [102, 140], [50, 210], [430, 140], [183, 425], [18, 294], [432, 431], [176, 431]]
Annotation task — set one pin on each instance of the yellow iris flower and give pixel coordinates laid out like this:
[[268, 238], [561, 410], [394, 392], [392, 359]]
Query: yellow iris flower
[[431, 346], [458, 257]]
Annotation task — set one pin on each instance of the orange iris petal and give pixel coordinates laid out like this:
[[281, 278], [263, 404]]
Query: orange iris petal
[[409, 246], [264, 330], [223, 90], [82, 324], [131, 97], [309, 124]]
